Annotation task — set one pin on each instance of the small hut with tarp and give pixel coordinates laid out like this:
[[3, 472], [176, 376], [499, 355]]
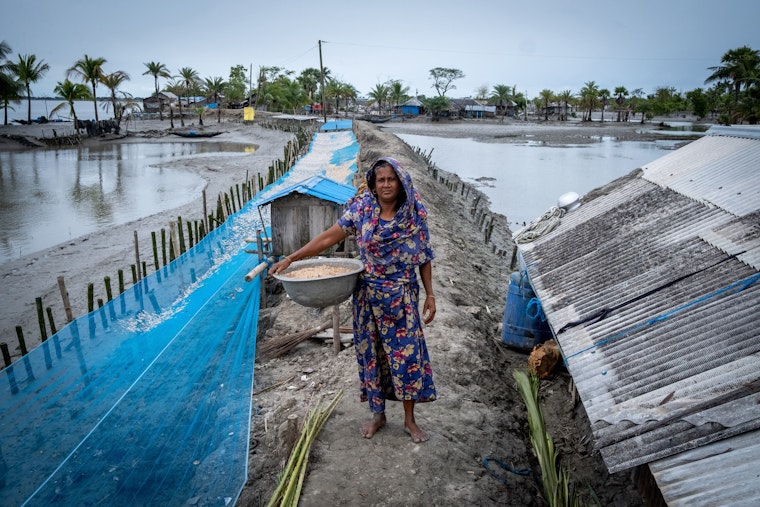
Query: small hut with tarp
[[305, 209]]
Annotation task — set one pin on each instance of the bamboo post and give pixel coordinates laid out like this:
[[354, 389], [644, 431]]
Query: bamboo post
[[121, 280], [189, 226], [41, 318], [336, 328], [6, 353], [155, 249], [65, 296], [260, 247], [205, 211], [21, 341], [232, 200], [163, 245], [173, 241], [91, 296], [181, 236], [137, 257], [53, 329]]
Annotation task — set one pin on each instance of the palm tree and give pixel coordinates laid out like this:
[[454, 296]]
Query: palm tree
[[289, 95], [547, 96], [620, 95], [216, 86], [309, 81], [112, 81], [175, 88], [589, 99], [397, 92], [189, 80], [636, 97], [349, 93], [28, 70], [10, 88], [604, 96], [500, 96], [380, 94], [740, 66], [89, 70], [71, 92], [565, 97], [157, 69]]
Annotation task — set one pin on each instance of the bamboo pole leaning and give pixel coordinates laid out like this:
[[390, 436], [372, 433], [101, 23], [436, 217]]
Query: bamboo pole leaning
[[288, 490]]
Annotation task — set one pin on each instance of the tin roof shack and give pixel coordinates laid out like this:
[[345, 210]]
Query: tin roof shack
[[301, 211], [153, 103], [652, 289]]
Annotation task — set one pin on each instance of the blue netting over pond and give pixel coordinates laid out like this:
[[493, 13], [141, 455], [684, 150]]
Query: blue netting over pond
[[147, 400]]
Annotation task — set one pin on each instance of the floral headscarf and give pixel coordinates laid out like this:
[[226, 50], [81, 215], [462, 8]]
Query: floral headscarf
[[403, 240]]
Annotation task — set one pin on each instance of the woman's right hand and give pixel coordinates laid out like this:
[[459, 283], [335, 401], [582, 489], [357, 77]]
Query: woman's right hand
[[280, 265]]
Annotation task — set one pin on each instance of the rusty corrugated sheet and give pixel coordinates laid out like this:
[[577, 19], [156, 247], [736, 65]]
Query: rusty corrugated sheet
[[653, 291]]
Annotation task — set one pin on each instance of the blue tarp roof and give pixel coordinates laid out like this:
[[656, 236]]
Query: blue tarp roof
[[317, 186], [337, 125]]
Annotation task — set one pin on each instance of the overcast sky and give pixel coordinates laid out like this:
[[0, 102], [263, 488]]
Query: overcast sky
[[535, 45]]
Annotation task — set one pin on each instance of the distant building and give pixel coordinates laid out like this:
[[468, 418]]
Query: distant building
[[412, 106], [161, 102]]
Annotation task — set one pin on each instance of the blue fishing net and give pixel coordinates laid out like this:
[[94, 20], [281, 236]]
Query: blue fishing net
[[147, 400]]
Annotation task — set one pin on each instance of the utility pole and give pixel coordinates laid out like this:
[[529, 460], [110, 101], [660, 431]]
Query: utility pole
[[322, 78], [250, 84]]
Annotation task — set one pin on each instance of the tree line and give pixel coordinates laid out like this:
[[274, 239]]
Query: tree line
[[732, 98]]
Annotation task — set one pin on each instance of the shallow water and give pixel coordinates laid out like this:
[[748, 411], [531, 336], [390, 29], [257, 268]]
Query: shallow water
[[51, 196], [524, 180]]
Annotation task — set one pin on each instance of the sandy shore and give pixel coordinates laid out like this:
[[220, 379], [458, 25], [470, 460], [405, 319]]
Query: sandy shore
[[88, 259]]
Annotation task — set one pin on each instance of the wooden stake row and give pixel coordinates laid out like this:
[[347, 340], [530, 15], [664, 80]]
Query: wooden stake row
[[177, 242]]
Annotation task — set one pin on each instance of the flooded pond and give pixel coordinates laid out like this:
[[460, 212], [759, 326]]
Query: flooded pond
[[51, 196], [524, 180]]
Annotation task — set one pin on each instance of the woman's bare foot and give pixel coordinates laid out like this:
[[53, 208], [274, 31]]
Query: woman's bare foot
[[418, 436], [372, 426], [410, 425]]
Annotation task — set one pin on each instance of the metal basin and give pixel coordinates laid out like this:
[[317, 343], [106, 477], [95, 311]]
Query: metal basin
[[324, 291]]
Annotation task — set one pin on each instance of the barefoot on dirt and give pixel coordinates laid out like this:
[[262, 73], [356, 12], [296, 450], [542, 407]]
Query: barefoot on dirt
[[418, 436], [373, 425]]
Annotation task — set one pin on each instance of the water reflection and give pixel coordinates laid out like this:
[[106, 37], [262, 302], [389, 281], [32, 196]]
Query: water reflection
[[524, 180], [51, 196]]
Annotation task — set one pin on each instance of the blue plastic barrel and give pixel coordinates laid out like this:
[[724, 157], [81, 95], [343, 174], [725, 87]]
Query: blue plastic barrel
[[524, 324]]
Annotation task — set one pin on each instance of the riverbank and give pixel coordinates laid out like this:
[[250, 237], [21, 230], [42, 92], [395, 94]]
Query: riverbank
[[88, 259]]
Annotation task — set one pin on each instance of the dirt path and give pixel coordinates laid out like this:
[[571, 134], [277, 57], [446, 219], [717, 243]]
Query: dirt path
[[478, 415]]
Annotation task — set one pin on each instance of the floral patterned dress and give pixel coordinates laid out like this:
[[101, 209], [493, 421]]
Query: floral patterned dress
[[390, 345]]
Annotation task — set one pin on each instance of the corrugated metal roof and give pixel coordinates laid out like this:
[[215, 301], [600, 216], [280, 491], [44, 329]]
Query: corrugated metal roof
[[737, 482], [652, 288], [316, 186]]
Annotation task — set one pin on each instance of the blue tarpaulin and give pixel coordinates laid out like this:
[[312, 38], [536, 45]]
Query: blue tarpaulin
[[147, 400]]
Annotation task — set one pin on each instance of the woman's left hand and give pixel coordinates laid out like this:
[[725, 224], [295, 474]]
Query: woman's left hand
[[428, 310]]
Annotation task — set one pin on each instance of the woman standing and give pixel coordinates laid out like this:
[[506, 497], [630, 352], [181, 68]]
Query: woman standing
[[389, 223]]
